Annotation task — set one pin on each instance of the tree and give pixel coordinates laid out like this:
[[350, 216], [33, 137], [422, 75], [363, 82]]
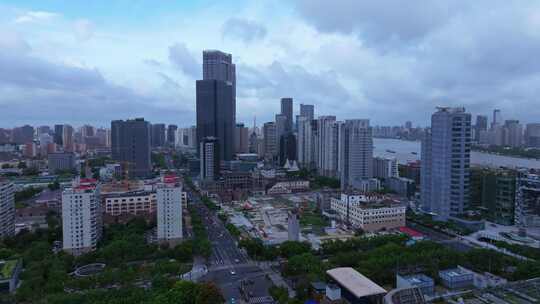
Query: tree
[[291, 248], [54, 185]]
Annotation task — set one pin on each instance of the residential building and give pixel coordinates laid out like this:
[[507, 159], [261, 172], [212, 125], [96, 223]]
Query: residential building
[[355, 153], [369, 212], [304, 144], [445, 163], [241, 139], [130, 145], [497, 119], [270, 142], [481, 126], [58, 134], [22, 135], [7, 209], [169, 210], [209, 158], [513, 133], [384, 167], [135, 202], [494, 190], [172, 131], [456, 278], [81, 217], [327, 143], [307, 110], [60, 161], [158, 135], [532, 135], [68, 141], [401, 185], [527, 209]]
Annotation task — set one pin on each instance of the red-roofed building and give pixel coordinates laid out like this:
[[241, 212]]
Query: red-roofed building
[[411, 233]]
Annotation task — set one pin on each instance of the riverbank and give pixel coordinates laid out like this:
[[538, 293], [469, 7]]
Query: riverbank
[[532, 154]]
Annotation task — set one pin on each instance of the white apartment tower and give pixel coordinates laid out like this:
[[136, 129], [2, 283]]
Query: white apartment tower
[[7, 209], [445, 171], [327, 146], [81, 216], [355, 153], [169, 210], [304, 142]]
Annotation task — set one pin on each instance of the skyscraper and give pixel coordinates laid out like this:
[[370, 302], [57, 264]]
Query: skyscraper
[[215, 114], [305, 142], [241, 138], [218, 65], [58, 134], [532, 135], [169, 211], [307, 110], [7, 209], [68, 140], [171, 135], [270, 140], [445, 171], [287, 111], [513, 133], [356, 153], [481, 125], [130, 145], [497, 119], [527, 211], [327, 146], [158, 135], [209, 158]]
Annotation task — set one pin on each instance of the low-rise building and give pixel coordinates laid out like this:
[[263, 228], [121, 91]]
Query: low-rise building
[[456, 278], [369, 212], [9, 275], [384, 167], [289, 187], [407, 295], [132, 203], [401, 185], [61, 161], [420, 281], [355, 287]]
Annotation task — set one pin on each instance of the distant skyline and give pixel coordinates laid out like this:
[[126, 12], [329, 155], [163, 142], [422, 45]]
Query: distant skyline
[[77, 63]]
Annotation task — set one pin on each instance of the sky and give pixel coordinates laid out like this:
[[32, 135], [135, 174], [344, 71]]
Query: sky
[[390, 61]]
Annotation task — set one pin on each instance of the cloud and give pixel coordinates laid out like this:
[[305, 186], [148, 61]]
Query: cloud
[[84, 29], [243, 29], [35, 17], [182, 58]]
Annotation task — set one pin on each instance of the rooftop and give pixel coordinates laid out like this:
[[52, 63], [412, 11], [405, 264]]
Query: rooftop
[[454, 272], [356, 283], [7, 268]]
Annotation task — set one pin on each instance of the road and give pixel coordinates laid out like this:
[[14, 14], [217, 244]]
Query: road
[[229, 267]]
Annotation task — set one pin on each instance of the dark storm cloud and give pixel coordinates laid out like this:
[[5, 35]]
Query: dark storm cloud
[[181, 57], [245, 30]]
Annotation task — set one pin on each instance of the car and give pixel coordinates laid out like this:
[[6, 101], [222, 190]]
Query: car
[[233, 272], [232, 301]]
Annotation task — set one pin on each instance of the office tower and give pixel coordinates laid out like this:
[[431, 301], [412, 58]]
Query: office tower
[[215, 114], [171, 135], [307, 110], [81, 217], [327, 146], [169, 211], [532, 135], [497, 119], [45, 140], [408, 125], [68, 141], [513, 134], [7, 209], [305, 142], [287, 145], [445, 163], [384, 168], [494, 190], [270, 140], [43, 130], [253, 142], [481, 125], [209, 158], [355, 153], [241, 139], [104, 137], [527, 211], [158, 135], [293, 223], [218, 65], [287, 111], [58, 134], [130, 145], [281, 130], [22, 135], [61, 162], [87, 130]]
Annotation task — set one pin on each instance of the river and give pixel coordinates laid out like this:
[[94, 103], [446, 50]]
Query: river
[[404, 152]]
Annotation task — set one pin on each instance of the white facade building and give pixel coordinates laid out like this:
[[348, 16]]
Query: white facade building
[[355, 153], [81, 217], [169, 210], [305, 142], [369, 212], [7, 209], [327, 146], [384, 167]]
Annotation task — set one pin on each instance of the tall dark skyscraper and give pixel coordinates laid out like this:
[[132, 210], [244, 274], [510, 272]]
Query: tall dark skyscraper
[[218, 65], [171, 134], [215, 114], [158, 135], [307, 110], [58, 133], [287, 110], [481, 125], [130, 145]]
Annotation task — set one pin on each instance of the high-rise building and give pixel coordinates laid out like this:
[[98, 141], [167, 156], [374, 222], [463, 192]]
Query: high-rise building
[[384, 167], [158, 135], [355, 153], [43, 130], [307, 110], [497, 119], [281, 130], [209, 158], [494, 190], [169, 211], [513, 133], [215, 114], [446, 163], [287, 111], [481, 125], [241, 139], [527, 211], [87, 131], [327, 143], [218, 65], [68, 140], [287, 145], [305, 142], [171, 135], [60, 161], [130, 145], [58, 134], [270, 140], [23, 135], [7, 209], [81, 217], [532, 135]]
